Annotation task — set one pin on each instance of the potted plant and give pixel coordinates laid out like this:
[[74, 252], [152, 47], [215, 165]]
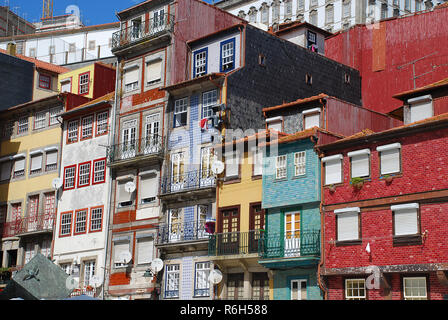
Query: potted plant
[[357, 182], [332, 188], [388, 178]]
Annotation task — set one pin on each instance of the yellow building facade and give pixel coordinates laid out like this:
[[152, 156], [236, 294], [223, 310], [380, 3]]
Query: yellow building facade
[[78, 81]]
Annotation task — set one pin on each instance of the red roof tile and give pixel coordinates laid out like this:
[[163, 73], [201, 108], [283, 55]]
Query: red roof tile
[[297, 102], [435, 85], [41, 64]]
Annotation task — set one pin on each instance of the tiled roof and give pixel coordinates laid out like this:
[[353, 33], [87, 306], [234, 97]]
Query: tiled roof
[[188, 82], [266, 133], [108, 97], [41, 64], [435, 85], [297, 102], [303, 135]]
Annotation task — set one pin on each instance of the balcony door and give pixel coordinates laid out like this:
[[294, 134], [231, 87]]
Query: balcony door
[[158, 19], [175, 225], [235, 286], [33, 209], [206, 176], [136, 29], [49, 211], [128, 139], [292, 234], [229, 227], [256, 223], [152, 134], [178, 171]]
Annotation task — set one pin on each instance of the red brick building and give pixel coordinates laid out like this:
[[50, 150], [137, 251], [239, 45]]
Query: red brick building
[[385, 207]]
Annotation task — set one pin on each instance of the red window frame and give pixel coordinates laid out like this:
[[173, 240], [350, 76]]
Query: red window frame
[[47, 81], [93, 171], [77, 134], [75, 221], [74, 178], [90, 220], [82, 127], [79, 174], [79, 83], [96, 123], [60, 224]]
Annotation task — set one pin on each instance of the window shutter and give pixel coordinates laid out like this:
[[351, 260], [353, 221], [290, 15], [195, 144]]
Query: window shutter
[[52, 157], [36, 162], [312, 120], [232, 165], [154, 69], [145, 250], [19, 165], [148, 186], [131, 75], [258, 163], [123, 195], [360, 166], [420, 111], [6, 170], [275, 126], [405, 221], [120, 247], [333, 171], [348, 226], [390, 161]]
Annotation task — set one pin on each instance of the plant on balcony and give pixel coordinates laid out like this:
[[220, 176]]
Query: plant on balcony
[[388, 178], [89, 288], [332, 188], [357, 183]]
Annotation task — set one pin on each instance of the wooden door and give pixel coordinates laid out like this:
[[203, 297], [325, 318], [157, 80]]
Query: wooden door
[[229, 227], [256, 224]]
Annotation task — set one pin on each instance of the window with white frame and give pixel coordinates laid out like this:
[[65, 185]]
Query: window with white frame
[[280, 167], [200, 63], [54, 112], [145, 247], [84, 83], [69, 177], [149, 186], [22, 126], [66, 223], [66, 85], [299, 163], [258, 162], [84, 174], [311, 118], [415, 288], [355, 289], [232, 164], [36, 162], [420, 108], [275, 11], [172, 281], [298, 290], [227, 55], [153, 71], [67, 267], [120, 247], [124, 197], [72, 131], [405, 219], [152, 131], [265, 14], [300, 5], [131, 77], [333, 169], [6, 167], [45, 248], [359, 163], [390, 158], [19, 167], [102, 122], [384, 10], [201, 283], [87, 127], [8, 129], [347, 221], [288, 8], [180, 112], [40, 120], [29, 251], [51, 160], [346, 9], [275, 123], [96, 219], [313, 17], [252, 15], [99, 169], [80, 221], [209, 99], [88, 272], [329, 14]]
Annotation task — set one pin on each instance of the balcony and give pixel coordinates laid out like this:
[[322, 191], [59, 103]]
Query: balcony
[[235, 243], [136, 151], [88, 291], [157, 30], [193, 234], [291, 248], [192, 185], [29, 225]]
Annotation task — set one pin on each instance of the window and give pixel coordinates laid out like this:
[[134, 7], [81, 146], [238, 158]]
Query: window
[[200, 63], [347, 220], [66, 224], [260, 286], [420, 108], [258, 163], [99, 168], [152, 130], [299, 163], [275, 124], [232, 165], [84, 174], [120, 247], [414, 288], [384, 11], [252, 15], [172, 281], [54, 112], [275, 11], [66, 85], [45, 249], [36, 162], [235, 286], [29, 251], [40, 120], [355, 289], [158, 17], [3, 213], [102, 123], [49, 205], [333, 169], [80, 221], [154, 71], [346, 9], [96, 219], [44, 81], [311, 118], [6, 167], [8, 129], [84, 83], [288, 8], [201, 282], [300, 5], [131, 77], [265, 14], [407, 5], [360, 163], [69, 177], [67, 267], [298, 290], [22, 125], [87, 127], [329, 14], [405, 219], [92, 45], [418, 5], [72, 131], [72, 47], [51, 160], [209, 99], [280, 167], [33, 52], [124, 197], [313, 17], [19, 167], [206, 165], [227, 55], [88, 272], [180, 112], [145, 248], [390, 158], [149, 187]]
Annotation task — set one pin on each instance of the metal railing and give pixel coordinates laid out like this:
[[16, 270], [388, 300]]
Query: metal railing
[[88, 291], [147, 146], [234, 243], [306, 243], [180, 232], [35, 223], [151, 28], [188, 181]]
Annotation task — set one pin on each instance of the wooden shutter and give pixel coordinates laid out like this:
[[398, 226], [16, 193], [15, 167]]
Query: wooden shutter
[[406, 221], [144, 250], [347, 224]]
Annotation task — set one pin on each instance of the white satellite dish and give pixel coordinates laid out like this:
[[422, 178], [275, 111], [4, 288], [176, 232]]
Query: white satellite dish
[[215, 276], [56, 183], [217, 167], [129, 187], [125, 257], [157, 265]]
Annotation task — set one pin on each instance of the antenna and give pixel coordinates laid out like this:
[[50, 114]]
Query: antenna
[[47, 9], [414, 77]]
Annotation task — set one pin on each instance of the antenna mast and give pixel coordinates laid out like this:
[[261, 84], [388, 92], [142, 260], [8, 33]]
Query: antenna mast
[[47, 9]]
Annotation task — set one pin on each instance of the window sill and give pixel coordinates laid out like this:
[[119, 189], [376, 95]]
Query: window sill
[[408, 240], [280, 179], [232, 180], [258, 177], [348, 243]]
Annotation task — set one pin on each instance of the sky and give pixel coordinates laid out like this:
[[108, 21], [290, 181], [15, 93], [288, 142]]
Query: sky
[[92, 11]]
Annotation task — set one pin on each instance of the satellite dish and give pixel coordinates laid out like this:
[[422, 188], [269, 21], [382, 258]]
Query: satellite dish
[[218, 167], [215, 276], [129, 187], [157, 265], [125, 257], [56, 183]]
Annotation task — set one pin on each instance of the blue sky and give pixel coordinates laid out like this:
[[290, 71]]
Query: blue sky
[[92, 11]]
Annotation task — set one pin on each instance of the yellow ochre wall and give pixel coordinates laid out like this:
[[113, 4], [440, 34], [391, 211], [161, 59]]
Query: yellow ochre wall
[[74, 75]]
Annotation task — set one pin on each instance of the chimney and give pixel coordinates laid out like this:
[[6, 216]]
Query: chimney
[[11, 49]]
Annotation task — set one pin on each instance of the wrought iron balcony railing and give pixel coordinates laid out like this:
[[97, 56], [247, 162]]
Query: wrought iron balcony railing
[[303, 243], [188, 181], [88, 291], [148, 146], [146, 30], [35, 223], [181, 232], [234, 243]]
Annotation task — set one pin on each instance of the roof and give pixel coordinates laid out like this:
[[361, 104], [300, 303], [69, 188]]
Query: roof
[[297, 102], [441, 6], [235, 26], [432, 86], [211, 76], [104, 99], [304, 135], [289, 26], [265, 133], [41, 64], [54, 96]]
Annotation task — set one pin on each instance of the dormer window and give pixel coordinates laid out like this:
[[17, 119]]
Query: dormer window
[[275, 123], [420, 108], [200, 62], [227, 55], [311, 118]]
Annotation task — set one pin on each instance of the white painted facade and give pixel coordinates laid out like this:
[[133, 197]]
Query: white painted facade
[[76, 251]]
